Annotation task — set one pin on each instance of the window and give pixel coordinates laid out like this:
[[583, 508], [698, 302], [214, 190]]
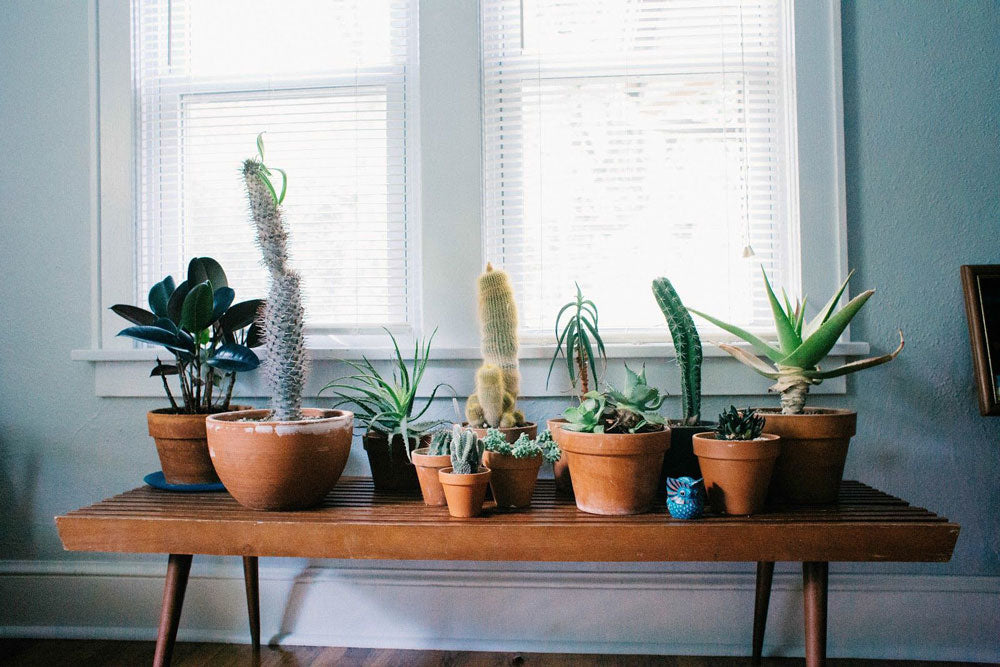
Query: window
[[627, 140], [328, 84]]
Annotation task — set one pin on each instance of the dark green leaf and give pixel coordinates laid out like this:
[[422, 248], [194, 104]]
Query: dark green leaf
[[233, 358], [201, 269], [196, 313], [241, 315], [159, 296], [134, 314], [255, 335], [221, 300], [156, 336], [164, 369], [176, 303]]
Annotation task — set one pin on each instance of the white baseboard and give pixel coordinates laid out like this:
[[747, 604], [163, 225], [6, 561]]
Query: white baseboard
[[523, 608]]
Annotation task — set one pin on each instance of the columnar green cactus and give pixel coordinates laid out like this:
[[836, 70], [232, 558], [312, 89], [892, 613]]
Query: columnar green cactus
[[498, 379], [440, 444], [466, 451], [284, 316], [687, 347]]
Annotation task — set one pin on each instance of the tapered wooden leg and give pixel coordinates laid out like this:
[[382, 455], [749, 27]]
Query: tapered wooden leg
[[178, 568], [253, 599], [814, 582], [765, 574]]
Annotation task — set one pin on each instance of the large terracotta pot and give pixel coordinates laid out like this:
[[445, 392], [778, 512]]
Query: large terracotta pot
[[614, 473], [465, 493], [392, 469], [512, 479], [736, 472], [427, 474], [560, 469], [680, 460], [275, 465], [182, 446], [512, 433], [813, 452]]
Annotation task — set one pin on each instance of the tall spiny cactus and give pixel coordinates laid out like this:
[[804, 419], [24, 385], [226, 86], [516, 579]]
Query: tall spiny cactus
[[498, 379], [284, 316], [687, 346], [466, 451]]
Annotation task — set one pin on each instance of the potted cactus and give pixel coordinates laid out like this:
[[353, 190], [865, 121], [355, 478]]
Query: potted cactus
[[737, 460], [286, 457], [814, 440], [465, 480], [615, 443], [427, 461], [494, 403], [209, 338], [514, 467], [680, 460], [579, 342]]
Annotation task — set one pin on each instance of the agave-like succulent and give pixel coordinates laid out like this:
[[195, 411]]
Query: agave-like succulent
[[801, 345], [737, 424], [637, 404]]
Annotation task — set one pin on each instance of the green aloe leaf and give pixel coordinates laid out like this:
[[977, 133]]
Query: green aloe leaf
[[750, 360], [759, 346], [787, 338], [856, 366], [826, 311], [814, 348]]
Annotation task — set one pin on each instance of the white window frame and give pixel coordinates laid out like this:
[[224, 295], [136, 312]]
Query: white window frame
[[444, 208]]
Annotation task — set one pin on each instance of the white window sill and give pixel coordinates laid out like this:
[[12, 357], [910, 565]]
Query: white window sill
[[125, 372]]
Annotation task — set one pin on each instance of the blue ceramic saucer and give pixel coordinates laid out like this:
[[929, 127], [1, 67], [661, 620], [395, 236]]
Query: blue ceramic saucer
[[157, 481]]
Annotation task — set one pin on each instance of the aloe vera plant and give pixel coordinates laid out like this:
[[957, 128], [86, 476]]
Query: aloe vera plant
[[801, 345]]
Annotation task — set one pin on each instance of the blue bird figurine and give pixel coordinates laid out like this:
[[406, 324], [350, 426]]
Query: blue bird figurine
[[684, 498]]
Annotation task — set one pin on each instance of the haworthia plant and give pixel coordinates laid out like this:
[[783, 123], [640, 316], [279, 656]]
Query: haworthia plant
[[687, 347]]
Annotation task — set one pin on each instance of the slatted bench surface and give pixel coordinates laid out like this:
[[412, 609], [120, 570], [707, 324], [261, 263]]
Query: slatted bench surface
[[355, 521]]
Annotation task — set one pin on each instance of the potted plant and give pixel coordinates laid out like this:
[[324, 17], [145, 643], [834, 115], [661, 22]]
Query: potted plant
[[514, 467], [579, 342], [737, 460], [428, 460], [494, 403], [814, 440], [386, 408], [615, 443], [465, 480], [680, 461], [210, 339], [287, 457]]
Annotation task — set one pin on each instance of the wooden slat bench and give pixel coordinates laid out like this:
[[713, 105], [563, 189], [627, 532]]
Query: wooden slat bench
[[356, 522]]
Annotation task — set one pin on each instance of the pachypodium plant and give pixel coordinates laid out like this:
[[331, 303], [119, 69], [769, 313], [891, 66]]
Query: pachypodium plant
[[687, 347], [498, 380], [631, 410], [579, 341], [284, 316], [524, 447], [801, 345], [737, 424], [209, 336], [466, 451]]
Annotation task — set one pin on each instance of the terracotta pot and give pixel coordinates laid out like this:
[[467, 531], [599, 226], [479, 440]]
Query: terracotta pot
[[736, 472], [680, 460], [614, 473], [391, 468], [813, 452], [274, 465], [465, 493], [560, 469], [513, 479], [512, 433], [182, 446], [427, 474]]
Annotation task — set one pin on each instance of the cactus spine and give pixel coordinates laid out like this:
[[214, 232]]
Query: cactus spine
[[466, 451], [498, 379], [284, 316], [687, 346]]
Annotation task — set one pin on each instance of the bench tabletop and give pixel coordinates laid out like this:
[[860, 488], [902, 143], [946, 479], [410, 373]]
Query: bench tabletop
[[355, 521]]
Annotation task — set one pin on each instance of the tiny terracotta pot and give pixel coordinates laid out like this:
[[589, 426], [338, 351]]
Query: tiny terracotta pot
[[614, 473], [392, 469], [276, 465], [560, 469], [182, 446], [736, 472], [813, 453], [512, 479], [512, 433], [465, 493], [427, 474]]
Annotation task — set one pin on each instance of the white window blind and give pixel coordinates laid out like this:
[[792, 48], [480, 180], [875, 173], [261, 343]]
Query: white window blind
[[327, 83], [631, 139]]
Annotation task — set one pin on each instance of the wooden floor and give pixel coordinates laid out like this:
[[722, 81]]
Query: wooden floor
[[52, 653]]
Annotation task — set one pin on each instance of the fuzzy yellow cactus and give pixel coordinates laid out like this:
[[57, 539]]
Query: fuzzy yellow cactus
[[498, 379]]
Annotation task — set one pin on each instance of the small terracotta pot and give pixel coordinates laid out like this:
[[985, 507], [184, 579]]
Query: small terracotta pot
[[465, 493], [813, 452], [427, 474], [513, 479], [182, 446], [275, 465], [512, 433], [736, 472], [614, 473], [560, 469], [680, 460], [391, 468]]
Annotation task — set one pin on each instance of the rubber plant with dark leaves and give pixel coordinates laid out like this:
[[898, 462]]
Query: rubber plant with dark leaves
[[208, 335]]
